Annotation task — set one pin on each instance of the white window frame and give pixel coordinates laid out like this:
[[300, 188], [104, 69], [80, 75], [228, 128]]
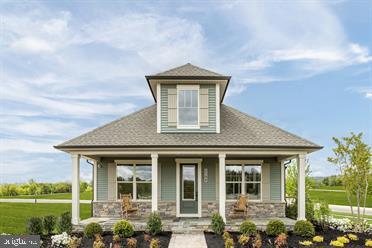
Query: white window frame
[[183, 183], [188, 87], [242, 163], [134, 182]]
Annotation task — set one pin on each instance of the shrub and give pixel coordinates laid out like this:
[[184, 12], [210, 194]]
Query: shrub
[[275, 227], [123, 228], [146, 237], [248, 228], [318, 239], [257, 243], [352, 236], [60, 240], [281, 241], [64, 224], [243, 239], [226, 235], [218, 225], [368, 243], [74, 242], [98, 242], [131, 243], [229, 243], [343, 240], [49, 223], [154, 243], [35, 226], [291, 210], [304, 228], [92, 229], [305, 243], [154, 224], [336, 243]]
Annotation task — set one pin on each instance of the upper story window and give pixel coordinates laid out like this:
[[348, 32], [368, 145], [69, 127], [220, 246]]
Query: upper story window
[[188, 106]]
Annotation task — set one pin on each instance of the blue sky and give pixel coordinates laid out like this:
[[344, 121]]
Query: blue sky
[[68, 67]]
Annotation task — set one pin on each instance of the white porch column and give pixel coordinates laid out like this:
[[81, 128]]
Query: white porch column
[[282, 180], [75, 183], [154, 184], [301, 197], [95, 165], [222, 185]]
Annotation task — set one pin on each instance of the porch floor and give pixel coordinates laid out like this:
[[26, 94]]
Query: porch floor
[[182, 225]]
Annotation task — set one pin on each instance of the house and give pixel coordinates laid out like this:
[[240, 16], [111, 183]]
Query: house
[[188, 155]]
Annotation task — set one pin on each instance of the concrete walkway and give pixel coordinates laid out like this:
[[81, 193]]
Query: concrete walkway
[[18, 200], [195, 240], [347, 210]]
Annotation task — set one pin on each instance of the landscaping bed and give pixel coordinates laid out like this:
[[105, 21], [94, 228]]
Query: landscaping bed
[[217, 241], [163, 237]]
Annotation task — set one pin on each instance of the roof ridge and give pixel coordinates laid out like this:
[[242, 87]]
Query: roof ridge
[[185, 65], [107, 124], [269, 124]]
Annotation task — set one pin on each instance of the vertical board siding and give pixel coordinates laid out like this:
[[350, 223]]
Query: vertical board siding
[[168, 179], [275, 185], [209, 188], [265, 182], [102, 183], [164, 124], [111, 182]]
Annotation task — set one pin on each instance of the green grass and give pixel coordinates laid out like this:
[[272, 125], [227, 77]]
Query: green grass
[[83, 196], [14, 216], [329, 187], [335, 198]]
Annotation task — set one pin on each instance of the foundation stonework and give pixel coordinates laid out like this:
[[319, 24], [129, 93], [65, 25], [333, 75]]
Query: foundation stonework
[[257, 210], [167, 209], [209, 208], [113, 210]]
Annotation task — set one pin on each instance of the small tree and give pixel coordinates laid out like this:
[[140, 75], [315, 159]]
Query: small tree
[[353, 157]]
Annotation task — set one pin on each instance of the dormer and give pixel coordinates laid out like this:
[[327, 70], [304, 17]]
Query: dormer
[[188, 99]]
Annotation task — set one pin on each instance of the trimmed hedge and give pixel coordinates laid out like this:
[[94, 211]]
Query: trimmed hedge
[[304, 228], [275, 227], [92, 229]]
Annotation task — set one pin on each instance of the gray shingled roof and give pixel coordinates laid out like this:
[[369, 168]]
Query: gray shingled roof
[[188, 70], [237, 129]]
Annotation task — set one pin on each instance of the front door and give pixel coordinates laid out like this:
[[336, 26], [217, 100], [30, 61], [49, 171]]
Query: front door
[[189, 189]]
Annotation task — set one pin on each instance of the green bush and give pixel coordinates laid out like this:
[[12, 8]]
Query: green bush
[[218, 225], [123, 228], [304, 228], [291, 210], [49, 223], [64, 223], [248, 228], [275, 227], [35, 226], [92, 229], [154, 224]]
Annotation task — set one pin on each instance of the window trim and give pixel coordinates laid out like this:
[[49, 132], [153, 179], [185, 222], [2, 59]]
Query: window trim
[[134, 182], [188, 87], [242, 163]]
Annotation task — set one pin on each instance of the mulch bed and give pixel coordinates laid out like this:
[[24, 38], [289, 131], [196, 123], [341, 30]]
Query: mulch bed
[[163, 237], [216, 241]]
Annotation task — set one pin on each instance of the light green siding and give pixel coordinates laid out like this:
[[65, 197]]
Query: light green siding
[[211, 109], [275, 184], [209, 188], [102, 183], [168, 179]]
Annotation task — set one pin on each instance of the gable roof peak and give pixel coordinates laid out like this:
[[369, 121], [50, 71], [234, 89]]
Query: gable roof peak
[[188, 70]]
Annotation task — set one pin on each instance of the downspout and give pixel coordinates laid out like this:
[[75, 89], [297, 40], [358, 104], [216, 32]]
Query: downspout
[[91, 203]]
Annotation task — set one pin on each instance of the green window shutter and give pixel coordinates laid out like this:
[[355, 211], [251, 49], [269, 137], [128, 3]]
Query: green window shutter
[[111, 179], [265, 182], [172, 107], [204, 103]]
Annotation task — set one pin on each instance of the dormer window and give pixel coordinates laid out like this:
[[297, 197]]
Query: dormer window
[[188, 106]]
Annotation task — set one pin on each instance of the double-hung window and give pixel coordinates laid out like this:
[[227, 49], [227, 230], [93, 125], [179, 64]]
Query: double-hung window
[[135, 179], [243, 178], [188, 106]]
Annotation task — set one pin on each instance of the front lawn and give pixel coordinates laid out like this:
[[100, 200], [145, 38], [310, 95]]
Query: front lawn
[[335, 198], [87, 195], [14, 216]]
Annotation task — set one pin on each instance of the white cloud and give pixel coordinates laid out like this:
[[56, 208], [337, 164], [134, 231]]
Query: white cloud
[[365, 91], [31, 45], [26, 146]]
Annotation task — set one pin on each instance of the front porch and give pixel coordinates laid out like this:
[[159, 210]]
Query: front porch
[[183, 225]]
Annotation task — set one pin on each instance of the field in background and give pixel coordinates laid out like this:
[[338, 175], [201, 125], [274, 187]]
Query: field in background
[[87, 195], [334, 198], [14, 216]]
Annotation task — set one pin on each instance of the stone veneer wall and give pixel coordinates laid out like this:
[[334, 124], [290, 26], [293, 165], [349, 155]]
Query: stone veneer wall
[[167, 209], [209, 208], [113, 209], [257, 210]]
